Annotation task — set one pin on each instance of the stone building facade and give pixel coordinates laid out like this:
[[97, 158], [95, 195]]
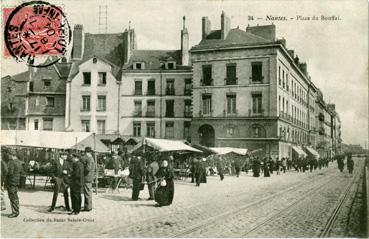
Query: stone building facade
[[155, 96], [45, 103], [93, 86], [249, 90], [13, 101]]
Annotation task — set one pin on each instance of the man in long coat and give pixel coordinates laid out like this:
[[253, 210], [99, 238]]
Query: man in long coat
[[76, 184], [137, 171], [89, 168], [15, 169], [61, 174]]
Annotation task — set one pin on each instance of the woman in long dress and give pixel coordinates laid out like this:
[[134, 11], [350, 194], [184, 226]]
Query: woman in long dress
[[165, 191]]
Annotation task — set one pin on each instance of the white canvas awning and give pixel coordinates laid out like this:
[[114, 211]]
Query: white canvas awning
[[312, 151], [299, 151], [165, 145], [52, 139], [226, 150]]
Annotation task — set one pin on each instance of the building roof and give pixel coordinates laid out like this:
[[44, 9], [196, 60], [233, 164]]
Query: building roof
[[155, 59], [107, 47], [234, 37], [21, 77]]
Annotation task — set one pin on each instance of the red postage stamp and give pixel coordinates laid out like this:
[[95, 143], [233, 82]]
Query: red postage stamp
[[35, 30]]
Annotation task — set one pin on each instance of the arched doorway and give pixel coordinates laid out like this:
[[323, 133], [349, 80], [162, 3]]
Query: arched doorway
[[207, 135]]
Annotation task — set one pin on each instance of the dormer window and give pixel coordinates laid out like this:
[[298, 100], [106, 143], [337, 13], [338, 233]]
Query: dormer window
[[138, 66], [47, 83], [171, 65]]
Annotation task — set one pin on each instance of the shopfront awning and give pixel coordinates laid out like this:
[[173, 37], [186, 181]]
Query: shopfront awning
[[226, 150], [312, 151], [299, 151], [165, 145]]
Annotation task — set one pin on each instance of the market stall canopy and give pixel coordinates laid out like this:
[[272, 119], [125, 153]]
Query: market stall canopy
[[312, 151], [204, 149], [164, 145], [226, 150], [299, 151], [52, 139]]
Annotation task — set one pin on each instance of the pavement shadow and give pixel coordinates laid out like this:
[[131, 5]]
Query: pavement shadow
[[38, 208], [116, 197], [3, 214]]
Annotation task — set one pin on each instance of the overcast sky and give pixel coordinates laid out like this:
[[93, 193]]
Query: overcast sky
[[335, 51]]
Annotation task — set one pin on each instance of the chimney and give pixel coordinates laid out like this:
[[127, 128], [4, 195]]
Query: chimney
[[77, 50], [292, 53], [303, 68], [206, 27], [267, 32], [225, 25], [130, 43], [185, 44], [296, 60], [282, 41]]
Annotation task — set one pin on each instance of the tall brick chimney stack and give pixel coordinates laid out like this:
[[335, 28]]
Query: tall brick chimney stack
[[185, 44], [225, 25], [77, 50], [206, 27]]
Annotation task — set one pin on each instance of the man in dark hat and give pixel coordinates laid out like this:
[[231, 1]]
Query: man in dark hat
[[137, 172], [76, 184], [61, 173], [89, 167], [15, 169]]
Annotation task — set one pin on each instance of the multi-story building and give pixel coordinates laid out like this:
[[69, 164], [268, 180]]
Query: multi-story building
[[324, 122], [45, 102], [94, 82], [13, 101], [335, 129], [248, 90], [312, 115], [155, 96]]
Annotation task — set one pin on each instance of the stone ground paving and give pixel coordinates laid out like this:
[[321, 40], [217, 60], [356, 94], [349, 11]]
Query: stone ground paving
[[230, 208]]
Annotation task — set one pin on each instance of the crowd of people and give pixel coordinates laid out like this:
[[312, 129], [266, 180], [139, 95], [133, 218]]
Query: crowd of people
[[75, 172]]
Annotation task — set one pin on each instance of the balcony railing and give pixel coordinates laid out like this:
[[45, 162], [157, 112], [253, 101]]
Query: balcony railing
[[150, 92], [150, 113], [169, 114], [187, 91], [205, 114], [169, 91], [231, 81], [257, 79], [256, 113], [206, 82], [188, 114], [137, 113], [226, 113]]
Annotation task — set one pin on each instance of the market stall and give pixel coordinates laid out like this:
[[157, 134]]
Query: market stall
[[164, 148], [232, 157], [39, 148]]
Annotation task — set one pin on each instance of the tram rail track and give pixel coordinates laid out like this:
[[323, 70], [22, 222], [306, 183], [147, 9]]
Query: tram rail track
[[142, 222], [338, 207], [242, 209]]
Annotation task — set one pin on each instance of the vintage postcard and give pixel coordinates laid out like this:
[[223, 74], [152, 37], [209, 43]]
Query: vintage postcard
[[175, 118]]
